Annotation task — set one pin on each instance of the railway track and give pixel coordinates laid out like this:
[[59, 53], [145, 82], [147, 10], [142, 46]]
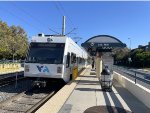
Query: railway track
[[10, 78], [29, 101]]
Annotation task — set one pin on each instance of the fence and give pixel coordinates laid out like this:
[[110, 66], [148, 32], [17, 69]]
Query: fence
[[142, 78]]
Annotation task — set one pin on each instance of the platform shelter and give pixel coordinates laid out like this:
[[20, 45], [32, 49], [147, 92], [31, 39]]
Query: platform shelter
[[100, 48]]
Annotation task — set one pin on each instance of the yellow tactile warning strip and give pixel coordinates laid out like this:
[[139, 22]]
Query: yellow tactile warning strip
[[56, 102]]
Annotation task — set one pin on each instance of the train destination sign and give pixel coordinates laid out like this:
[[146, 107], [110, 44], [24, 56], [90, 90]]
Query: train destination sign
[[47, 45]]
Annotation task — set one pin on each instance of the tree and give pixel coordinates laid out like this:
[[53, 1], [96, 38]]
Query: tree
[[143, 58], [140, 58], [5, 34], [19, 43], [120, 55], [13, 41]]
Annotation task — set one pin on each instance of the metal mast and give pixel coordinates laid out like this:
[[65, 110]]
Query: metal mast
[[63, 25]]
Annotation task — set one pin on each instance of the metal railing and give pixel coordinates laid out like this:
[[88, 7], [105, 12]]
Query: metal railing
[[135, 75]]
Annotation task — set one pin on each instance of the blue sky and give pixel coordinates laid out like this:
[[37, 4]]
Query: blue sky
[[122, 20]]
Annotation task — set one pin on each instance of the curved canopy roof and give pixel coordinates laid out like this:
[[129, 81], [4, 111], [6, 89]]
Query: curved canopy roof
[[102, 43], [104, 39]]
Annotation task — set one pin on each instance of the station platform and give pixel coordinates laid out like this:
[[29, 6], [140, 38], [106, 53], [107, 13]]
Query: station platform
[[84, 95]]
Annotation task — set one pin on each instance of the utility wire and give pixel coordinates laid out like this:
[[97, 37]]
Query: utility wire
[[35, 27], [36, 19], [61, 11], [62, 8], [71, 31], [57, 7], [71, 22]]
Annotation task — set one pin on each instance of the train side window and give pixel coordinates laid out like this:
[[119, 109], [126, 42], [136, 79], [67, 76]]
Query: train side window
[[72, 58], [68, 60], [83, 61], [80, 61], [77, 60]]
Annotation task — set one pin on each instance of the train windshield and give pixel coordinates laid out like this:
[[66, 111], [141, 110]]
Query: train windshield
[[47, 53]]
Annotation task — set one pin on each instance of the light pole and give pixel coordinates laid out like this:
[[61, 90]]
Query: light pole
[[129, 59], [130, 43]]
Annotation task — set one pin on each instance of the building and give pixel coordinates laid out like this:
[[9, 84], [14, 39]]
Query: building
[[145, 48]]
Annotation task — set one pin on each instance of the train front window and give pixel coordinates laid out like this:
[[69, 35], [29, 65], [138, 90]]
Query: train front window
[[48, 53]]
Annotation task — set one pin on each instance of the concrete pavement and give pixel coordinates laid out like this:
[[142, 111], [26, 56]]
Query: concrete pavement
[[88, 94]]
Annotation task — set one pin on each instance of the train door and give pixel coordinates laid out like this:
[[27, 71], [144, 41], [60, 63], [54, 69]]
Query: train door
[[73, 65], [72, 61], [77, 62], [68, 67]]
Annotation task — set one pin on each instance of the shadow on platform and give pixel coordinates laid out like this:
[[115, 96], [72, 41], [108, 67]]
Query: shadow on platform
[[132, 102], [87, 89], [88, 76]]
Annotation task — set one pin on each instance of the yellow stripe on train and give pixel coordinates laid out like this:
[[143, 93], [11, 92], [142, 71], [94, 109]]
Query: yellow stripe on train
[[75, 72]]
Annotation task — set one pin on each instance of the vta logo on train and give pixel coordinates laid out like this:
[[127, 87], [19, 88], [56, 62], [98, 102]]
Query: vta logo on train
[[43, 69]]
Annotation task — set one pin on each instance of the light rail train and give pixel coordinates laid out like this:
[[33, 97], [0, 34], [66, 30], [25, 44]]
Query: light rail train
[[53, 57]]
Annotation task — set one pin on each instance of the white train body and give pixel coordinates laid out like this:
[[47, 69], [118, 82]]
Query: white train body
[[54, 57]]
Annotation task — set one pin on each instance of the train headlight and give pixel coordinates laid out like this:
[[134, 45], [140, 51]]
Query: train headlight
[[59, 69], [26, 68]]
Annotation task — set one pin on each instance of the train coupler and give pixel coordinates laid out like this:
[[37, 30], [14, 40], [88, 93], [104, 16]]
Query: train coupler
[[39, 83]]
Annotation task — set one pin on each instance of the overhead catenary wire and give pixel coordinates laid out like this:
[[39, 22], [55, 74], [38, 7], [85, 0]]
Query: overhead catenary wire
[[71, 31], [36, 19], [62, 12], [62, 8], [29, 24]]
